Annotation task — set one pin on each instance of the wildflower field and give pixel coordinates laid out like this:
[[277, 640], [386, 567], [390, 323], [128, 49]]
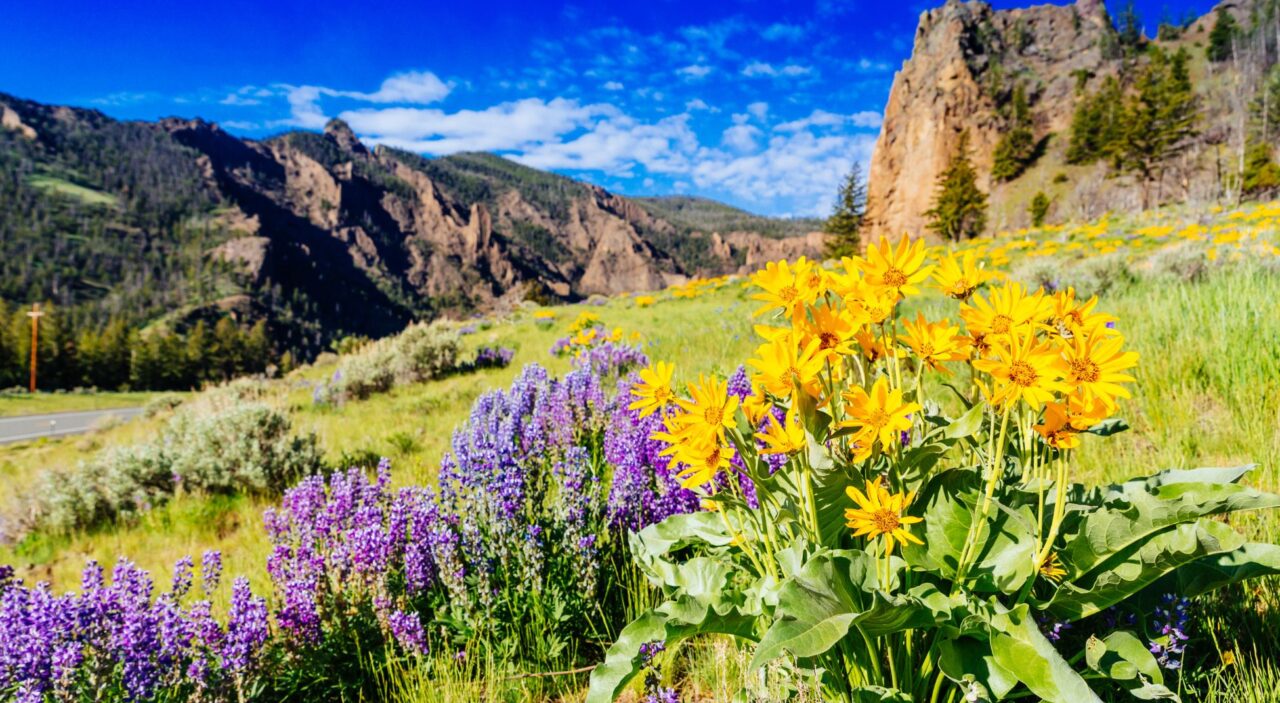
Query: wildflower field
[[1040, 465]]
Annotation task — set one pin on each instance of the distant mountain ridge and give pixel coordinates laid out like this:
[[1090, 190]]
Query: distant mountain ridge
[[324, 236]]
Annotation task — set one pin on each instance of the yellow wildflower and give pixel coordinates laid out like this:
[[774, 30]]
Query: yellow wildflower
[[900, 270], [935, 342], [653, 393], [880, 414], [783, 365], [785, 437], [1096, 366], [879, 513], [1024, 370], [959, 279]]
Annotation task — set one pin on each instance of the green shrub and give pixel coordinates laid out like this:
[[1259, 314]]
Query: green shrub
[[420, 353], [244, 448]]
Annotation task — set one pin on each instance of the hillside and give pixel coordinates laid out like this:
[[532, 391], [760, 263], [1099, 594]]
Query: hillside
[[968, 59], [318, 234]]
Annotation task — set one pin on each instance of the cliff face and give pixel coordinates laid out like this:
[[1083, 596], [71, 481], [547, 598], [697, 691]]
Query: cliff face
[[360, 240], [965, 62]]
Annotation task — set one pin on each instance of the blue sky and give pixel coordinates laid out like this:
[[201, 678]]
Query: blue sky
[[761, 104]]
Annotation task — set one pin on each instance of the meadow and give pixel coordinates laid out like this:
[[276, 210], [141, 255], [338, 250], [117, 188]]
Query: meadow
[[1194, 294]]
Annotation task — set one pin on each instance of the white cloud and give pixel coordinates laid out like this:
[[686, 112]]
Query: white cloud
[[522, 124], [822, 118], [239, 100], [699, 104], [759, 109], [694, 71], [757, 69], [613, 85], [409, 87], [741, 138]]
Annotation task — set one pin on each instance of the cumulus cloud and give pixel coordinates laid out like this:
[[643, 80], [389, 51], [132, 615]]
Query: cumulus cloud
[[520, 124], [694, 71], [822, 118], [759, 110], [757, 69], [613, 85], [408, 87], [741, 137]]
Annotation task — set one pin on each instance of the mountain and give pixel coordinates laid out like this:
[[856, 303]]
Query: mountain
[[967, 62], [178, 220]]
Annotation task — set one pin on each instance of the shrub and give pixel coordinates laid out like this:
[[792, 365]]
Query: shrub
[[238, 449], [419, 353]]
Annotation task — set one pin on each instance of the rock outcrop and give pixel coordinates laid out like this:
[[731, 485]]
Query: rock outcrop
[[966, 61]]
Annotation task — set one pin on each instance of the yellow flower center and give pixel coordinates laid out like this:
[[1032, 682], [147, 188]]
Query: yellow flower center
[[885, 520], [789, 294], [959, 288], [828, 340], [714, 415], [1084, 371], [1023, 374], [661, 395], [895, 278], [1000, 324], [926, 349], [878, 419]]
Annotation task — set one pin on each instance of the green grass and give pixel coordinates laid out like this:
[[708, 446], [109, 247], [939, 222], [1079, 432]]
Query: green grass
[[40, 403], [89, 196]]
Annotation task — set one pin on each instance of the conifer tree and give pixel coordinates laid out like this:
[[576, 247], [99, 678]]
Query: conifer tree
[[844, 225], [1159, 120], [1261, 174], [1222, 36], [1016, 148], [960, 207], [1038, 209]]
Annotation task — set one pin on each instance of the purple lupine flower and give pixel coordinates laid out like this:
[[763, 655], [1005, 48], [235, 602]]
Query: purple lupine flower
[[1170, 624], [247, 629], [182, 578], [408, 631], [210, 570], [645, 489]]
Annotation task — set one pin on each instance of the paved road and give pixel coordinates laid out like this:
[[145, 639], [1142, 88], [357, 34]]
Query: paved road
[[16, 429]]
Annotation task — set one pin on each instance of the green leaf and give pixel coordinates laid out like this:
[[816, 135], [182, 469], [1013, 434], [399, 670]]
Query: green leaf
[[1135, 511], [1019, 647], [1129, 571], [651, 546], [1210, 573], [879, 694], [1108, 427], [969, 656], [836, 592], [1004, 559], [1123, 658], [967, 424], [670, 622]]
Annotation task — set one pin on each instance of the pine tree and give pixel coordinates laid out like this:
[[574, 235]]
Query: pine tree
[[845, 223], [1038, 209], [960, 208], [1016, 148], [1159, 120], [1129, 26], [1096, 123], [1261, 174], [1222, 36]]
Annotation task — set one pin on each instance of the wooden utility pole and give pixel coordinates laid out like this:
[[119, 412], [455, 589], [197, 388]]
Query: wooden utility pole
[[35, 316]]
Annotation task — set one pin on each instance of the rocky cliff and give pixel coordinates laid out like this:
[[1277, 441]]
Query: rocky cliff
[[367, 239], [966, 61]]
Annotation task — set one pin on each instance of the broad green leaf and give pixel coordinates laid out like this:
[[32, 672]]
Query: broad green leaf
[[653, 544], [1210, 573], [1128, 572], [1004, 559], [967, 424], [836, 592], [971, 656], [670, 622], [1123, 658], [1137, 510], [1019, 647]]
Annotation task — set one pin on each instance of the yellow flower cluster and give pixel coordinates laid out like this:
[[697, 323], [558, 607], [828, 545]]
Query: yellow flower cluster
[[838, 368], [697, 287]]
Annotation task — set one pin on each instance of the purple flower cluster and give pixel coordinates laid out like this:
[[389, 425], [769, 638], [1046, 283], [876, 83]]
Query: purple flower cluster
[[1170, 624], [654, 691], [493, 358], [117, 635], [611, 359], [645, 488]]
